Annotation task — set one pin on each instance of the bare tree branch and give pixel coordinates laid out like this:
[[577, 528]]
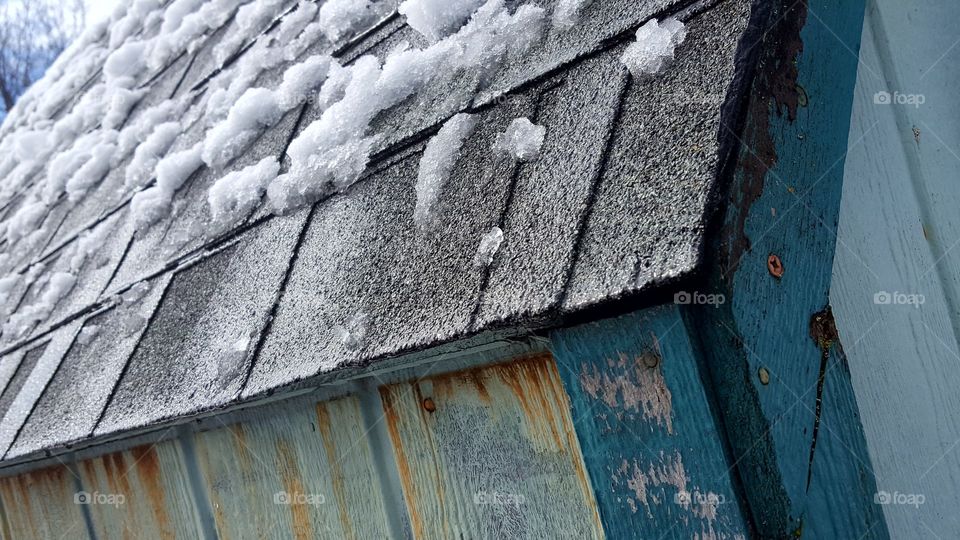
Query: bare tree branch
[[32, 34]]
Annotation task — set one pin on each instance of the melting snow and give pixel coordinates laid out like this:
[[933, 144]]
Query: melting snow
[[340, 18], [236, 194], [332, 152], [522, 140], [354, 331], [654, 46], [437, 162], [436, 19]]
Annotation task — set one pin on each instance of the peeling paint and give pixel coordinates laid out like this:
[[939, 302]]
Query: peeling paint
[[636, 387]]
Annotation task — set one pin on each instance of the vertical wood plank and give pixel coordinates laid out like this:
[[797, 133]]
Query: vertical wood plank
[[294, 472], [41, 504], [491, 453], [143, 491], [647, 428], [772, 349], [896, 278]]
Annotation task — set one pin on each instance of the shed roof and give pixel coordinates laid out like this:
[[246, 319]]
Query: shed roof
[[175, 319]]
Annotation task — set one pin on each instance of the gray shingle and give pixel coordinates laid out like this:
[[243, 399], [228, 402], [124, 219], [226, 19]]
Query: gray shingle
[[363, 254], [646, 225], [74, 400], [552, 192], [185, 361], [24, 363]]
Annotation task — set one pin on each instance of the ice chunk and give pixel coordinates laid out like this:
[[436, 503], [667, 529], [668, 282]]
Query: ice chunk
[[88, 334], [95, 169], [300, 81], [489, 246], [135, 293], [236, 194], [436, 19], [437, 162], [125, 64], [26, 220], [566, 14], [353, 332], [654, 46], [174, 169], [522, 140], [250, 20]]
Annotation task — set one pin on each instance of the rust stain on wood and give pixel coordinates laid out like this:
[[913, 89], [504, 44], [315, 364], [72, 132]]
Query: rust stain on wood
[[776, 91], [336, 471], [403, 466], [147, 463], [293, 485], [530, 385]]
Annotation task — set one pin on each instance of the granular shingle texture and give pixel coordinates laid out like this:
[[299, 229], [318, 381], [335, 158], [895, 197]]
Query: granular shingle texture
[[179, 318]]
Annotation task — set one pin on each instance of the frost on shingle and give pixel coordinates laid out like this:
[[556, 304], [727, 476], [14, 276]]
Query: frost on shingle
[[437, 162], [654, 46], [178, 367], [35, 383], [521, 141], [436, 19], [77, 394]]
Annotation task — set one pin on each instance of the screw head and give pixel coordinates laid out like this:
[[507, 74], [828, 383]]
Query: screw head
[[764, 376], [775, 266], [429, 405]]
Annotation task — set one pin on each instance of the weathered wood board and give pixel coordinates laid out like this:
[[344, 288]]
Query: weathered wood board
[[41, 504], [141, 492], [293, 472], [491, 453]]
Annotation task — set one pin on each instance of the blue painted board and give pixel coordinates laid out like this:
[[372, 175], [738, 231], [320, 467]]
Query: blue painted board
[[783, 388], [645, 421]]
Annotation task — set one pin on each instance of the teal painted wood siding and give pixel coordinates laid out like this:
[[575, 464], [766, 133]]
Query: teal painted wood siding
[[775, 360], [647, 426]]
